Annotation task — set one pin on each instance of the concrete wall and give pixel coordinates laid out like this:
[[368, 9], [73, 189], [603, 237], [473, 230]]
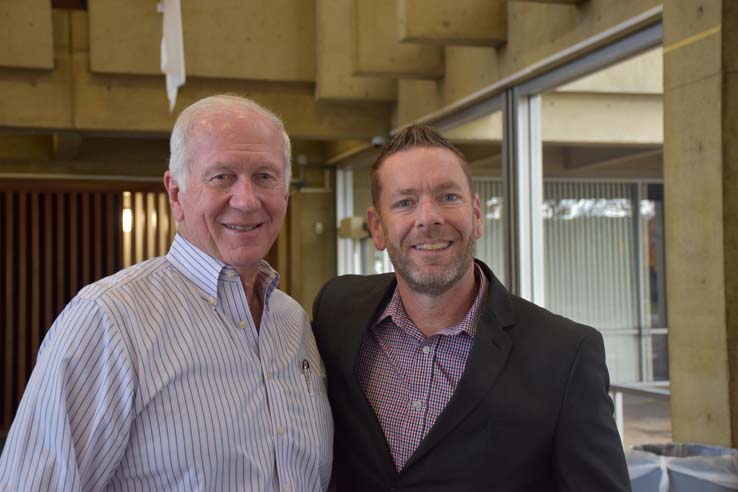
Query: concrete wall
[[700, 185]]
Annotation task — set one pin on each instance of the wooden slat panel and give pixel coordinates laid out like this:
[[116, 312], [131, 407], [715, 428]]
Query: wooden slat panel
[[163, 232], [21, 293], [139, 226], [48, 261], [73, 280], [86, 247], [51, 244], [98, 234], [36, 254], [151, 225], [110, 234], [60, 253], [9, 311]]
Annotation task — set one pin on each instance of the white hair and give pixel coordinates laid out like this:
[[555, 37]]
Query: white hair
[[178, 152]]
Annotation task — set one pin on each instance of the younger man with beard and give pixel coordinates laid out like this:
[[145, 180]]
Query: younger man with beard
[[441, 380]]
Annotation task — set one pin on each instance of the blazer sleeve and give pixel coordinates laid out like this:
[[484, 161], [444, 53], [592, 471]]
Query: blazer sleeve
[[588, 450]]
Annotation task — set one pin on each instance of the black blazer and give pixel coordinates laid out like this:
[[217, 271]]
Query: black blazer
[[531, 411]]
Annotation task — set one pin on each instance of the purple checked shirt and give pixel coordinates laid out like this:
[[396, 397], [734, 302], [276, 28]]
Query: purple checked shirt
[[409, 378]]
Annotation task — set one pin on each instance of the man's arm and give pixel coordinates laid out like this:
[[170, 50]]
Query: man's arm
[[588, 451], [74, 420]]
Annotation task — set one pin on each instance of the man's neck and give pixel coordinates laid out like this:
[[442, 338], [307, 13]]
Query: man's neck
[[253, 296], [432, 314]]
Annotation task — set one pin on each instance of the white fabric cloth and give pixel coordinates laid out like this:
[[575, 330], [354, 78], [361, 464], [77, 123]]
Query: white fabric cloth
[[718, 469], [172, 48]]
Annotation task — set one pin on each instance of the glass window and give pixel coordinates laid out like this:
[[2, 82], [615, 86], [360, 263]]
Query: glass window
[[602, 211]]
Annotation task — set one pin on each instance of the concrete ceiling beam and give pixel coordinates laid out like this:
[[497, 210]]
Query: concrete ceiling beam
[[26, 35], [336, 58], [379, 51], [139, 104], [65, 145], [264, 40], [453, 22], [568, 2], [578, 158]]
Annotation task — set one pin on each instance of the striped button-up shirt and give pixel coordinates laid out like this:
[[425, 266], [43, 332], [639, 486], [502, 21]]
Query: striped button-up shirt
[[409, 378], [157, 379]]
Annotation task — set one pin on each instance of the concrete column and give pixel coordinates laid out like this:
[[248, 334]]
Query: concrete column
[[701, 194]]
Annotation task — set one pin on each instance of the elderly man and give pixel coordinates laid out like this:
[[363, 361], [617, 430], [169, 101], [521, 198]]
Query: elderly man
[[440, 380], [190, 371]]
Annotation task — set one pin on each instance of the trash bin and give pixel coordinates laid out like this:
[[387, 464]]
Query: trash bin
[[682, 468]]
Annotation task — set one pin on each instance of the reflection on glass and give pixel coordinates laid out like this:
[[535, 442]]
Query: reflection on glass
[[652, 213], [490, 247], [603, 211], [590, 254]]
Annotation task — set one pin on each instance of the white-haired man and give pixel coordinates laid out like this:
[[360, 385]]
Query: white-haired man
[[190, 371]]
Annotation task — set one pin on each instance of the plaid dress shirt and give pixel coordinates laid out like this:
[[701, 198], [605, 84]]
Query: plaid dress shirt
[[409, 378]]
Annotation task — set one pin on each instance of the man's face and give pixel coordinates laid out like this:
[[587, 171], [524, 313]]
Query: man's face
[[428, 219], [236, 197]]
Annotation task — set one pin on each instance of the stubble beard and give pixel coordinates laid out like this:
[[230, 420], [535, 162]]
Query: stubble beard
[[432, 283]]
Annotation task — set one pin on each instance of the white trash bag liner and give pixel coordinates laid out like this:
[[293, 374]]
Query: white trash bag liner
[[714, 466]]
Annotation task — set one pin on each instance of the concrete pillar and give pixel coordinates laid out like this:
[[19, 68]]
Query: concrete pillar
[[701, 194]]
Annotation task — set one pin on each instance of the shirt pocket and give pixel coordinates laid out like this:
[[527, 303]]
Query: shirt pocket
[[312, 379]]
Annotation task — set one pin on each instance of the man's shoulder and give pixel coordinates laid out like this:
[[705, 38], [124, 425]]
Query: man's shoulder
[[358, 285], [281, 302], [546, 325], [125, 279]]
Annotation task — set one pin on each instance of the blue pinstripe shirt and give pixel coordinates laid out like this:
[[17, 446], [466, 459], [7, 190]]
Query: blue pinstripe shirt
[[156, 378]]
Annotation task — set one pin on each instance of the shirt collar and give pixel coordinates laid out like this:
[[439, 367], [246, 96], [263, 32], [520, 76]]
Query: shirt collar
[[205, 271], [395, 310]]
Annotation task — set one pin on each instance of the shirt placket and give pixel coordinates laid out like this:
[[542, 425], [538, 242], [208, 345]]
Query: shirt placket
[[417, 407]]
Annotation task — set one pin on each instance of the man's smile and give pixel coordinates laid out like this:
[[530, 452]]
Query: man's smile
[[433, 246], [241, 228]]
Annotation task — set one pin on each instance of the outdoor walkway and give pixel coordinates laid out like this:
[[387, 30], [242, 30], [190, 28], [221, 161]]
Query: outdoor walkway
[[645, 420]]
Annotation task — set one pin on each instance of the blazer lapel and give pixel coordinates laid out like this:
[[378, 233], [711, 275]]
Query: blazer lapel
[[486, 361], [359, 316], [366, 310]]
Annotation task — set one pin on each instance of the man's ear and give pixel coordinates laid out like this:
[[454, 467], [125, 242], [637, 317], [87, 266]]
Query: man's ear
[[375, 227], [174, 193], [478, 222]]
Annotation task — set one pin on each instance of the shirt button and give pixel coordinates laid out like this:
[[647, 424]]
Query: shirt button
[[211, 301], [417, 404], [426, 350], [243, 323], [229, 274], [286, 487], [281, 430]]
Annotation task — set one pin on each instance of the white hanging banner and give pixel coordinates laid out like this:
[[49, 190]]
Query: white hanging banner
[[172, 48]]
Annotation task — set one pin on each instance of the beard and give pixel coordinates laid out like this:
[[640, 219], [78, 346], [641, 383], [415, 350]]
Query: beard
[[435, 280]]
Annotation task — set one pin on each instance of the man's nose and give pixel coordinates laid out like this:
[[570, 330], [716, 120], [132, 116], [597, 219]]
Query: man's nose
[[428, 213], [244, 195]]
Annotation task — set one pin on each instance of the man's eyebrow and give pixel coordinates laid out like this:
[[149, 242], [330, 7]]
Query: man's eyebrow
[[448, 185], [215, 167]]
